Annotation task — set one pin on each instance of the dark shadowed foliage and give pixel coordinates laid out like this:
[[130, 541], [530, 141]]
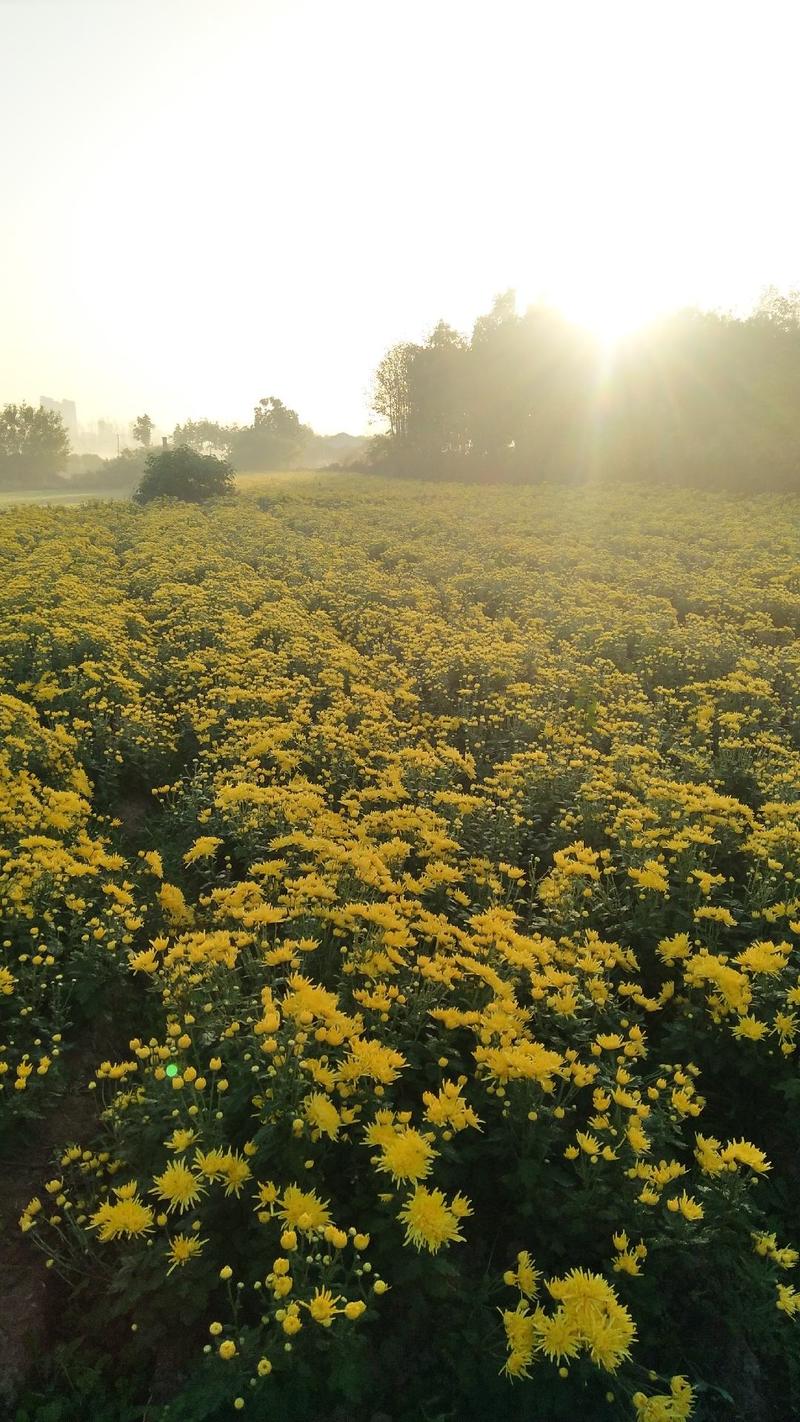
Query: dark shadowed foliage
[[182, 473], [699, 398], [142, 430], [273, 441], [117, 475]]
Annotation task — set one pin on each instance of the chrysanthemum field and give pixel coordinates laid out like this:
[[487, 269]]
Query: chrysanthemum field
[[400, 989]]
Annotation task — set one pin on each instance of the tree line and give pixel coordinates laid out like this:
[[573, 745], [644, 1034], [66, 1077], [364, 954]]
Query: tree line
[[698, 398], [35, 448], [276, 439]]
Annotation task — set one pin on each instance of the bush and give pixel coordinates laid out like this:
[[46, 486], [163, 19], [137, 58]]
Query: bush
[[182, 473], [81, 464], [120, 474]]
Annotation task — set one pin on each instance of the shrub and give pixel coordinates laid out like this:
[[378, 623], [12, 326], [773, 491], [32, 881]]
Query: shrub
[[184, 474]]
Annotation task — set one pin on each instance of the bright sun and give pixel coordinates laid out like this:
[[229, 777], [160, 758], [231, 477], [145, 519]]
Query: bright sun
[[608, 320], [607, 299], [613, 311]]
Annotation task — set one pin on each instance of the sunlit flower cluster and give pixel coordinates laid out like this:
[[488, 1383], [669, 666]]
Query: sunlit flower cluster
[[444, 852]]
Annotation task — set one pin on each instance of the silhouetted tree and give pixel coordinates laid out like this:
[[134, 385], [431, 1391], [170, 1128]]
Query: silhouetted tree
[[392, 395], [703, 398], [206, 436], [499, 381], [142, 430], [34, 445], [182, 473], [699, 397], [273, 441], [438, 378]]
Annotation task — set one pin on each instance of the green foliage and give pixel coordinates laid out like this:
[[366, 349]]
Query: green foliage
[[34, 445], [184, 474]]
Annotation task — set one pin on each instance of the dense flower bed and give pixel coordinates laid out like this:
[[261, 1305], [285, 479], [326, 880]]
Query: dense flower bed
[[442, 846]]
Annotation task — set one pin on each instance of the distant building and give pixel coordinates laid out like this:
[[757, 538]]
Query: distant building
[[106, 438], [103, 438], [66, 409]]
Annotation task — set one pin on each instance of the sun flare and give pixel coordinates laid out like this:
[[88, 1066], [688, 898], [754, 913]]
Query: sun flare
[[611, 307], [609, 318]]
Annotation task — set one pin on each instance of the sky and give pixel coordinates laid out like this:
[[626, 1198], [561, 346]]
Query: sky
[[209, 201]]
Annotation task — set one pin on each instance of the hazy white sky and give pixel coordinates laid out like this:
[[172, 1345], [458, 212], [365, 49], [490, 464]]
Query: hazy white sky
[[207, 201]]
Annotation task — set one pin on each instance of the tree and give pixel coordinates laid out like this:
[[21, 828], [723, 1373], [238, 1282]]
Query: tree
[[206, 436], [273, 441], [182, 473], [391, 395], [142, 430], [121, 474], [34, 445], [779, 309], [499, 380], [697, 397], [271, 414], [437, 420]]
